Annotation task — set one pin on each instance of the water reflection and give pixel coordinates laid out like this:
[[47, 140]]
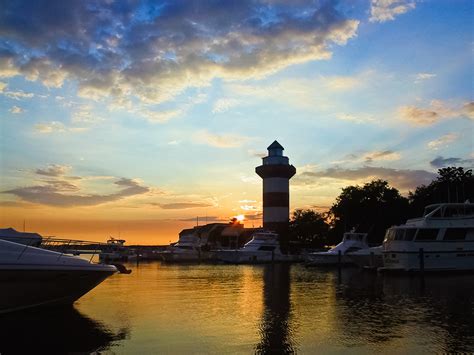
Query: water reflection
[[54, 330], [436, 311], [275, 328]]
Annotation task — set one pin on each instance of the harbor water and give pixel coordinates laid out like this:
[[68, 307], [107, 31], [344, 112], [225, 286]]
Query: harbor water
[[245, 309]]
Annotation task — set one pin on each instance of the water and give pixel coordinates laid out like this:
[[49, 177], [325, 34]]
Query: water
[[253, 309]]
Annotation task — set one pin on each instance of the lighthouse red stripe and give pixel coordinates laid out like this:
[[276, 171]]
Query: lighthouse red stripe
[[276, 199]]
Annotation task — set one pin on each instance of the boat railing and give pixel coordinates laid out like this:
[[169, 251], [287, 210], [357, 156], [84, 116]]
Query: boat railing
[[63, 246]]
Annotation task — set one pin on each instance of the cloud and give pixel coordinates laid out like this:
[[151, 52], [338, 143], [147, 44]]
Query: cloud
[[342, 82], [437, 111], [17, 95], [56, 126], [84, 115], [182, 205], [387, 10], [355, 118], [204, 219], [16, 110], [252, 179], [257, 216], [443, 141], [160, 116], [50, 127], [468, 109], [440, 162], [400, 178], [53, 170], [423, 76], [367, 158], [223, 105], [220, 140], [313, 94], [59, 193], [152, 53], [381, 155]]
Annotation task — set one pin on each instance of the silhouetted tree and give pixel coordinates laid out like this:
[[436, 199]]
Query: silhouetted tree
[[309, 228], [371, 208], [453, 184]]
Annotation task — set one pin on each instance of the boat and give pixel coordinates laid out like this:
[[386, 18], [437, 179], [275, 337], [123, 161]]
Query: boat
[[33, 239], [442, 239], [187, 249], [264, 247], [368, 258], [115, 250], [351, 242], [31, 276]]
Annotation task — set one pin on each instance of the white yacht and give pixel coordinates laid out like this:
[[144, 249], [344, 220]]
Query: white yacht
[[115, 251], [351, 242], [444, 236], [31, 276], [187, 249], [264, 247]]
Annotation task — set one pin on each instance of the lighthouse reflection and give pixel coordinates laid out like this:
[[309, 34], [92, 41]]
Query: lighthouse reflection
[[275, 328], [61, 330]]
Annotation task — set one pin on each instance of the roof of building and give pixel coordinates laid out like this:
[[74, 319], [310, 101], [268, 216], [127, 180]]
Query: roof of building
[[275, 145]]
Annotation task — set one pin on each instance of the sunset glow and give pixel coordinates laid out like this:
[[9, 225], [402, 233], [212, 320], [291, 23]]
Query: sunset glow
[[141, 119]]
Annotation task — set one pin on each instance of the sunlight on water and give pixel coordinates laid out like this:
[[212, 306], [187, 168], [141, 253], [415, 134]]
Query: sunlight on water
[[255, 309]]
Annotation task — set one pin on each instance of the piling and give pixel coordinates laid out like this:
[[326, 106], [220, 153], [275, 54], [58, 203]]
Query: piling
[[421, 256], [339, 266]]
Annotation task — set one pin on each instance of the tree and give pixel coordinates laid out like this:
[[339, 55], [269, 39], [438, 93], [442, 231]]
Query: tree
[[453, 184], [309, 228], [371, 208]]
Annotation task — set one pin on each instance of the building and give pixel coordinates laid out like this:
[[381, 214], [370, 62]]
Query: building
[[276, 173]]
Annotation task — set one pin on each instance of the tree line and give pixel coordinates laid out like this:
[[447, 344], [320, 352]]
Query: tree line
[[375, 206]]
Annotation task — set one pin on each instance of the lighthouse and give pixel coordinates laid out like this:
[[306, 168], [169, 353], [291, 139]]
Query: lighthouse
[[276, 173]]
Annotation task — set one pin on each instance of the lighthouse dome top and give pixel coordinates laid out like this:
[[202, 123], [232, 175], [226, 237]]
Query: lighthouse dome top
[[275, 149], [275, 145]]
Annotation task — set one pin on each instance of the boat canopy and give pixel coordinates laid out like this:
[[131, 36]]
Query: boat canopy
[[449, 210], [12, 235]]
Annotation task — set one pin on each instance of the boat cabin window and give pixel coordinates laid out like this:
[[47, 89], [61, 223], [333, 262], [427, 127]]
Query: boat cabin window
[[451, 211], [455, 234], [267, 248], [409, 234], [399, 234], [427, 234]]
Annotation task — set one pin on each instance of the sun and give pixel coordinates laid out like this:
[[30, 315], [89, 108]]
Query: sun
[[240, 217]]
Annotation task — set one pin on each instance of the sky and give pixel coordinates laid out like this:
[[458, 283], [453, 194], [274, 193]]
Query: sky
[[132, 118]]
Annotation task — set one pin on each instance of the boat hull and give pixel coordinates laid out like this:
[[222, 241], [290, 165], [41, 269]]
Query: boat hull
[[367, 261], [453, 260], [21, 289]]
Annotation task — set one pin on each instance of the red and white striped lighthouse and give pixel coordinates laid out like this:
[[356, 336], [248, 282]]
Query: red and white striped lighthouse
[[276, 173]]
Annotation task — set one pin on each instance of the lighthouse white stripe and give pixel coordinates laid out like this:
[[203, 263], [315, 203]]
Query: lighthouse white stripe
[[276, 214], [276, 184]]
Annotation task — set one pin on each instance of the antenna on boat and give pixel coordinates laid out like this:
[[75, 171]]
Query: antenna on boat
[[24, 224], [197, 221]]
